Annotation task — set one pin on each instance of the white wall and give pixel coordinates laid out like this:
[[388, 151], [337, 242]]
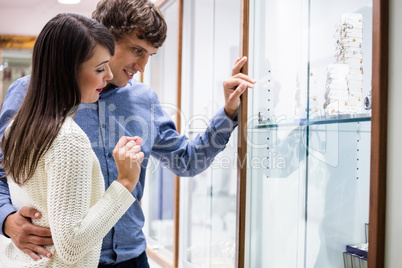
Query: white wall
[[21, 17], [394, 183]]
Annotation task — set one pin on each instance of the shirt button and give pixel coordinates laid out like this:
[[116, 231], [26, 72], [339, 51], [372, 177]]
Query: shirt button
[[109, 155], [103, 125]]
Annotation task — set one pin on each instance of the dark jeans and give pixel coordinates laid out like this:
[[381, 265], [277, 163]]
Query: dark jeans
[[139, 262]]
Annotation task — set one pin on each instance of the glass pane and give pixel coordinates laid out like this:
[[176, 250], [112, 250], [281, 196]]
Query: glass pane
[[340, 56], [224, 168], [162, 76], [337, 202], [197, 107], [278, 59], [211, 46], [277, 155], [277, 174]]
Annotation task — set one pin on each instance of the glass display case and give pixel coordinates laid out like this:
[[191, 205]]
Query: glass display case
[[309, 136], [309, 132]]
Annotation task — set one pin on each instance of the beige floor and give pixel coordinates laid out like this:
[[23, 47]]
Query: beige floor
[[153, 264]]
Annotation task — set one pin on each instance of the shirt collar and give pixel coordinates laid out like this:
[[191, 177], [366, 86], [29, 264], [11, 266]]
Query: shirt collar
[[111, 89]]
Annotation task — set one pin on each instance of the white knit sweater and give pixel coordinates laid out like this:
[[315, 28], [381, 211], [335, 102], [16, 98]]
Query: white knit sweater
[[69, 190]]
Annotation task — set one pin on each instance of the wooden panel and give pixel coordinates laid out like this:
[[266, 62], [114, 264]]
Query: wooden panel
[[17, 41], [378, 135], [176, 220], [159, 259], [178, 126], [242, 143]]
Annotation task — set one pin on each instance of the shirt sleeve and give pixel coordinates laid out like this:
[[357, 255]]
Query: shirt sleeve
[[14, 97], [76, 223], [186, 157]]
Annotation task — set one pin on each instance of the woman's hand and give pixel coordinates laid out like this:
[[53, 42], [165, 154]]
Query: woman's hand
[[128, 157]]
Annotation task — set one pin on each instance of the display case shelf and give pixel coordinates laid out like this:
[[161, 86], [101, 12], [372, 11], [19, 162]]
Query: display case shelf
[[336, 119]]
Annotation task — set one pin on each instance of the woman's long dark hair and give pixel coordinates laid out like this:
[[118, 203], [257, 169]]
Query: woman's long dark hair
[[66, 41]]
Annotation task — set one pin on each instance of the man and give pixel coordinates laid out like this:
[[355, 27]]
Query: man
[[129, 108]]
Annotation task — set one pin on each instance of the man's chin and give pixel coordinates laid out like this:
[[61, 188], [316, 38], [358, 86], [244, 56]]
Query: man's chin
[[120, 83]]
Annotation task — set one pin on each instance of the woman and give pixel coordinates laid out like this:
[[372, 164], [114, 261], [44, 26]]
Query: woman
[[48, 159]]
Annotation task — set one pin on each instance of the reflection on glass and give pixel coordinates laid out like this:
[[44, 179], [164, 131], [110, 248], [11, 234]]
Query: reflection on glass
[[277, 155], [309, 134], [211, 46], [337, 201], [14, 64], [160, 180], [337, 191], [340, 57], [162, 207]]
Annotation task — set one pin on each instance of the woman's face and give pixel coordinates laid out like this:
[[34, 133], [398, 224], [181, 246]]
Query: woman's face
[[93, 74]]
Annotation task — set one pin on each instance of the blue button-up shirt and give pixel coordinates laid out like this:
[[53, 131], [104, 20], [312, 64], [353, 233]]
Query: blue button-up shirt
[[133, 110]]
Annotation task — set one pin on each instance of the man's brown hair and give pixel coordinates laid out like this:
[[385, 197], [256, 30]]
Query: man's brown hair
[[123, 17]]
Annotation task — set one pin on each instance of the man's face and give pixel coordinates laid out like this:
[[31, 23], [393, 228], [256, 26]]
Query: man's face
[[130, 56]]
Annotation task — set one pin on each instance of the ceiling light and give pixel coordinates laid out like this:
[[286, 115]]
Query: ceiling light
[[69, 2]]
